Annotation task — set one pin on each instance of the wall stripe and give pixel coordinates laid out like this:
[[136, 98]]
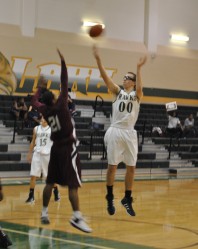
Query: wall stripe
[[170, 93]]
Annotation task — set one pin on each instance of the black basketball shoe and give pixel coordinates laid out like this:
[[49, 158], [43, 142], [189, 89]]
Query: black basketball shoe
[[127, 203], [4, 240], [110, 204]]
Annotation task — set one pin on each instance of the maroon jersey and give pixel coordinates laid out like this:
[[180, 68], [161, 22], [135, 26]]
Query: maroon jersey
[[64, 165], [58, 116]]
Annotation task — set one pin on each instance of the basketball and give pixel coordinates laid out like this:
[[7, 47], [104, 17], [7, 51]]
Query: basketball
[[95, 30]]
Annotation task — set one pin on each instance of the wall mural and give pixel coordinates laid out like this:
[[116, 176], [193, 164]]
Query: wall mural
[[83, 81], [8, 80]]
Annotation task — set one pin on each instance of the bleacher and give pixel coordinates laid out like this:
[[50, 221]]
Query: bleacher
[[154, 151]]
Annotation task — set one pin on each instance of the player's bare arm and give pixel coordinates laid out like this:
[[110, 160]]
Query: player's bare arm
[[32, 144], [60, 54], [64, 76], [108, 81], [139, 86]]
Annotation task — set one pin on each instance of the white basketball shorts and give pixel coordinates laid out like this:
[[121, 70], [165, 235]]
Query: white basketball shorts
[[39, 164], [121, 145]]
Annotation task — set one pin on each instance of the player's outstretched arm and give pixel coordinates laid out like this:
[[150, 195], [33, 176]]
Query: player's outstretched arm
[[108, 81], [32, 144], [64, 76], [139, 85]]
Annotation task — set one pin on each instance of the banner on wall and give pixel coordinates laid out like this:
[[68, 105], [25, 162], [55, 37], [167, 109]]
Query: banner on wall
[[84, 82]]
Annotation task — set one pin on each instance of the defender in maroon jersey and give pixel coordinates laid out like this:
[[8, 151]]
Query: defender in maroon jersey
[[64, 166]]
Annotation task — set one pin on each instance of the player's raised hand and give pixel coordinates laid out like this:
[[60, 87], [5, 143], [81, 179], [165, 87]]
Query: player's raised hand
[[142, 61], [61, 56]]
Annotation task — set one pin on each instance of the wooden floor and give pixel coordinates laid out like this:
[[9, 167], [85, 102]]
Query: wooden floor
[[167, 217]]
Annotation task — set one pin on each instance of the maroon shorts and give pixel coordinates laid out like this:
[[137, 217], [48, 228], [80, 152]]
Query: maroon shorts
[[64, 165]]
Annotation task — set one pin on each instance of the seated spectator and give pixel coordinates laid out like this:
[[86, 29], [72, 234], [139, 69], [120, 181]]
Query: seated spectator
[[189, 129], [19, 109], [174, 125], [33, 117], [157, 131]]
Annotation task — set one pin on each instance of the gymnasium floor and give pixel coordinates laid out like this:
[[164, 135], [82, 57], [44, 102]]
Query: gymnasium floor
[[167, 216]]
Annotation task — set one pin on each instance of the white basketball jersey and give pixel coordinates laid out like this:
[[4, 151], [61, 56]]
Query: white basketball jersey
[[43, 141], [125, 110]]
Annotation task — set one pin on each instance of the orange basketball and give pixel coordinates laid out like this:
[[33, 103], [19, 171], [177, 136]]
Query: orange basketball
[[96, 30]]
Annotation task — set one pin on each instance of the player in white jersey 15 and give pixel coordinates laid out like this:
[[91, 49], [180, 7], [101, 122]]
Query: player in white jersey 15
[[121, 138], [38, 156]]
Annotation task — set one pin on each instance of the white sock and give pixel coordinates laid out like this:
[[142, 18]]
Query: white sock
[[44, 211], [77, 214]]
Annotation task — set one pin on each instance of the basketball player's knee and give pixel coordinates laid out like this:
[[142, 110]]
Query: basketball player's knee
[[112, 169], [131, 170]]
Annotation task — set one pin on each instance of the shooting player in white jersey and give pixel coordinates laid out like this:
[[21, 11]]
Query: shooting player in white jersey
[[121, 138], [40, 147]]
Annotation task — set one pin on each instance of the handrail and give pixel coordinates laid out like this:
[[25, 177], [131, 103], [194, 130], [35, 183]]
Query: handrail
[[171, 144], [14, 130], [95, 103], [143, 132], [91, 148]]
